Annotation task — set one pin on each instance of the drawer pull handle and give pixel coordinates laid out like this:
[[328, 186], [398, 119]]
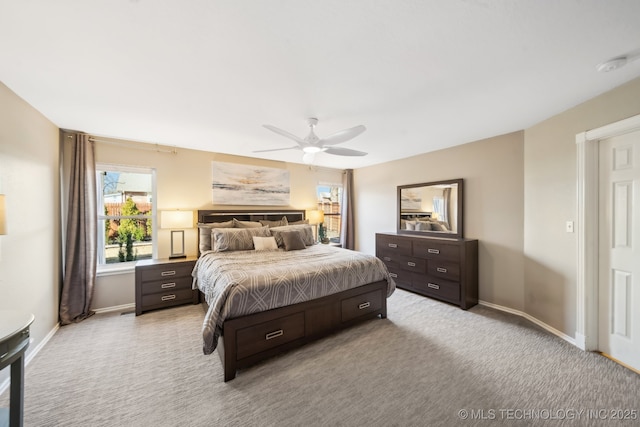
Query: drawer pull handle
[[364, 305], [393, 245], [3, 356], [393, 275], [433, 251], [411, 264], [274, 334], [387, 258], [168, 285], [441, 270], [168, 273], [168, 297], [433, 286]]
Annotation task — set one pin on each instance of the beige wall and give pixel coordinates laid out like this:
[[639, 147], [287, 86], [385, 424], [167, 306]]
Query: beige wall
[[550, 200], [184, 182], [493, 210], [30, 252]]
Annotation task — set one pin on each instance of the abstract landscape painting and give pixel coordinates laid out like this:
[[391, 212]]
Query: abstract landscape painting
[[235, 184]]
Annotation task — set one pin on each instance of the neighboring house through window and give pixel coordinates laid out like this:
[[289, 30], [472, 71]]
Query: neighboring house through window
[[126, 215]]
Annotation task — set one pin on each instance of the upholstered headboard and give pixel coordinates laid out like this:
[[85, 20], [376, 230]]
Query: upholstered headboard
[[208, 216]]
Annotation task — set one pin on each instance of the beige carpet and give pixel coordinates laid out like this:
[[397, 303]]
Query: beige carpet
[[425, 365]]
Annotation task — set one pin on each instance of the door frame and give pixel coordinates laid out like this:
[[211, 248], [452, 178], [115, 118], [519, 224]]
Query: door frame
[[586, 336]]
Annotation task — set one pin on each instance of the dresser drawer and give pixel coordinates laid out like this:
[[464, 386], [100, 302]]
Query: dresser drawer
[[449, 270], [264, 336], [167, 285], [405, 263], [354, 307], [438, 288], [167, 299], [164, 272], [391, 245], [401, 277], [431, 249]]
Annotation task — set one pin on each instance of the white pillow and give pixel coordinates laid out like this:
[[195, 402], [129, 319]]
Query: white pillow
[[265, 243]]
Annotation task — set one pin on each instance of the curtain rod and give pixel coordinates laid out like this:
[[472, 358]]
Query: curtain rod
[[125, 144]]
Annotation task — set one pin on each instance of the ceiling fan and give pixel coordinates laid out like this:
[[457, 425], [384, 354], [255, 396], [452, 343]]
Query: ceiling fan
[[311, 144]]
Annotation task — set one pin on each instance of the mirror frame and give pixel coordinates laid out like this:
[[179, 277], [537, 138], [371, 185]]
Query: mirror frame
[[460, 200]]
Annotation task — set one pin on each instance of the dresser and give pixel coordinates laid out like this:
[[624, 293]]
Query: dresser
[[444, 269], [162, 283]]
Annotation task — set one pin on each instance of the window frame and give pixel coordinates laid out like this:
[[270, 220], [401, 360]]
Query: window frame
[[340, 202], [114, 268]]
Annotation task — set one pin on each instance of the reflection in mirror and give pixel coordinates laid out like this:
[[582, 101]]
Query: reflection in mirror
[[431, 208]]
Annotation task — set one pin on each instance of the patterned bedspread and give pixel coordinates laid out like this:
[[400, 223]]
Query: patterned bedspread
[[237, 283]]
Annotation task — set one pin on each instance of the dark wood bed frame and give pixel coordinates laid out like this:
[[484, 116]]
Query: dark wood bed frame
[[249, 339]]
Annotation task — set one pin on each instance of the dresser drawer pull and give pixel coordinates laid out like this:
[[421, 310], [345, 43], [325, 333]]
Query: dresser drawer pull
[[386, 258], [168, 297], [364, 305], [168, 285], [433, 251], [433, 286], [168, 273], [411, 264], [441, 270], [393, 275], [2, 357], [393, 245], [274, 334]]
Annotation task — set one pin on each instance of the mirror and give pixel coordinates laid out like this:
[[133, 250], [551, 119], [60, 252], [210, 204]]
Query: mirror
[[431, 208]]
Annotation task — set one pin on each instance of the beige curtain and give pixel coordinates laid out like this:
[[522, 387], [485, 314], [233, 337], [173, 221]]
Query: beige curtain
[[447, 204], [347, 231], [81, 240]]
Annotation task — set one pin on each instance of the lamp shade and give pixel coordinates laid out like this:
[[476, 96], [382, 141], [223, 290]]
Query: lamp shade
[[176, 219], [3, 216], [315, 216]]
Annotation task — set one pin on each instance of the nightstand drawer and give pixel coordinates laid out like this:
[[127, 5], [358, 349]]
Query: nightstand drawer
[[360, 305], [165, 272], [167, 285], [167, 298], [264, 336]]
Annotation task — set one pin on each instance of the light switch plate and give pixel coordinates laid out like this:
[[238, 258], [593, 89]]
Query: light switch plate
[[569, 226]]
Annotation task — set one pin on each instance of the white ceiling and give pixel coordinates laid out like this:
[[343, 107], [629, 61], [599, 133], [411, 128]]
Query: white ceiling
[[421, 75]]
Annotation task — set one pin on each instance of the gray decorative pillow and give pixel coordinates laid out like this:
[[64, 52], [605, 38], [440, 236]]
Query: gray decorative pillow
[[302, 221], [204, 229], [246, 224], [278, 223], [305, 230], [236, 239], [292, 240]]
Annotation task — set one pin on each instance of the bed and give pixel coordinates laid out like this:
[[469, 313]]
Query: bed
[[263, 302]]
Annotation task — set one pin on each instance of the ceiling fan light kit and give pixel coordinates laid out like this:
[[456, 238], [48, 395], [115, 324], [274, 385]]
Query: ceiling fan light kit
[[311, 144]]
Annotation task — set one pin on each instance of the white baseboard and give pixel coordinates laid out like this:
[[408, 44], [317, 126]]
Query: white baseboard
[[532, 319], [123, 307], [31, 354]]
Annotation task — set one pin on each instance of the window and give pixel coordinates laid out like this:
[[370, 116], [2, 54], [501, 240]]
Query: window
[[126, 214], [329, 201]]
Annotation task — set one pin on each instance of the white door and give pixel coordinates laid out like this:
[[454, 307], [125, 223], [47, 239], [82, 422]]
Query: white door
[[619, 242]]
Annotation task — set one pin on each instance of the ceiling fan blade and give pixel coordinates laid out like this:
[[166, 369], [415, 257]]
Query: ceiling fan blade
[[295, 147], [339, 151], [284, 133], [343, 135]]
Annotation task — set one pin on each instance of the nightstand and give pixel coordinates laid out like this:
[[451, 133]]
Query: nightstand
[[162, 283]]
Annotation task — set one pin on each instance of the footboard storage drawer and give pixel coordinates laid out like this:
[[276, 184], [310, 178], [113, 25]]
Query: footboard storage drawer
[[264, 336], [445, 269], [360, 305]]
